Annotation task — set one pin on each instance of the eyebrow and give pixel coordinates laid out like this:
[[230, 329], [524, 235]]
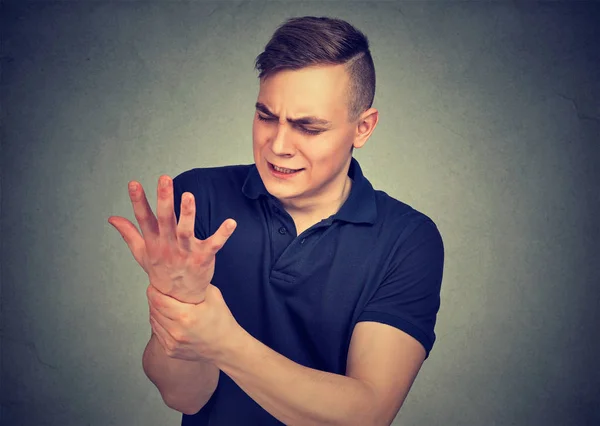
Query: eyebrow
[[301, 120]]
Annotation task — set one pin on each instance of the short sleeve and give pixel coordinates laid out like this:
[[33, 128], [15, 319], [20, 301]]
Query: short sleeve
[[409, 296]]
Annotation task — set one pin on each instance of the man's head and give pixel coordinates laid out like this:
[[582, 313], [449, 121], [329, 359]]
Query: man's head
[[308, 41], [317, 83]]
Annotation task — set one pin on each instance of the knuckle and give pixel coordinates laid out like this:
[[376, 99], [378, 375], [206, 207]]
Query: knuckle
[[163, 220], [175, 335], [153, 260], [187, 202], [171, 345], [185, 319], [140, 216], [201, 259], [214, 246], [169, 349], [179, 337], [185, 233]]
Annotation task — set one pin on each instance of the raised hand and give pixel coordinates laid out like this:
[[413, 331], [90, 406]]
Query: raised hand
[[177, 263]]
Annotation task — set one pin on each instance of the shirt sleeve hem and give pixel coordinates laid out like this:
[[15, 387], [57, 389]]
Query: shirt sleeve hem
[[401, 324]]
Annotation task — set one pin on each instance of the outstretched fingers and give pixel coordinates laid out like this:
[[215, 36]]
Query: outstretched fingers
[[132, 237], [187, 216], [167, 222], [217, 240], [142, 211]]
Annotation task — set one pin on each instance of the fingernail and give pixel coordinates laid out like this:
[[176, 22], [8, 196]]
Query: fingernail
[[230, 226], [164, 182], [132, 187]]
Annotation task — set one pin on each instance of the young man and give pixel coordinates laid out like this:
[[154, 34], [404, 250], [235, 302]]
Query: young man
[[320, 307]]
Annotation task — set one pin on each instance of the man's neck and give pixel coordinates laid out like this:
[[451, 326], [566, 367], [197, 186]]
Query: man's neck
[[317, 211]]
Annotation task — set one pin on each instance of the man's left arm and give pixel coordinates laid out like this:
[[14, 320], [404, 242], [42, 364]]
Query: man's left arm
[[392, 338], [371, 393]]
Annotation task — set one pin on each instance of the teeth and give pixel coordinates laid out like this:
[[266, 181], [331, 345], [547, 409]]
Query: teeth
[[279, 169]]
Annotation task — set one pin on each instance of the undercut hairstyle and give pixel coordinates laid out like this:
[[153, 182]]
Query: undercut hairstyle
[[309, 41]]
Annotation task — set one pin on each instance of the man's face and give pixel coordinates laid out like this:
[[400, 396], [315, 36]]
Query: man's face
[[318, 141]]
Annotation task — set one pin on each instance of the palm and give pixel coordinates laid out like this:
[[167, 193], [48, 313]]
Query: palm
[[177, 263]]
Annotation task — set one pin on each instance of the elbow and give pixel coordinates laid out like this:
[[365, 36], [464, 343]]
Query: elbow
[[369, 415], [370, 419], [185, 407], [375, 412], [188, 411], [383, 417]]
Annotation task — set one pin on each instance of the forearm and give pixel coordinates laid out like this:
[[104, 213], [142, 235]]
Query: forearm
[[185, 386], [295, 394]]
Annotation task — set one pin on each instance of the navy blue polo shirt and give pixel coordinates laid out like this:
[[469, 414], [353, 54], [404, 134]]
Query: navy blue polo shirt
[[376, 259]]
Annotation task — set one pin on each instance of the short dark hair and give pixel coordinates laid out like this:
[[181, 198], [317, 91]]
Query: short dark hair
[[309, 40]]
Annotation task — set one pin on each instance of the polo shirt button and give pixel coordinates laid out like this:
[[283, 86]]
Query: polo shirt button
[[282, 230], [303, 239]]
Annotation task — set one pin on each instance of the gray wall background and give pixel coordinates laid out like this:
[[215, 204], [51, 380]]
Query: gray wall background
[[490, 124]]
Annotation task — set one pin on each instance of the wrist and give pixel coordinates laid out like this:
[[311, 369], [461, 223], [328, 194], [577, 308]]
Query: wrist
[[188, 297]]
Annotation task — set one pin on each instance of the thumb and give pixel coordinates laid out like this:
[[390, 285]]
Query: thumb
[[131, 236], [120, 227], [114, 223]]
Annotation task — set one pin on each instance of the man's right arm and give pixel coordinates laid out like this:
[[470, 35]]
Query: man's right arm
[[167, 247], [185, 386]]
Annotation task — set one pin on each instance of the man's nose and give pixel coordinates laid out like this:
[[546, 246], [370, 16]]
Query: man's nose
[[281, 143]]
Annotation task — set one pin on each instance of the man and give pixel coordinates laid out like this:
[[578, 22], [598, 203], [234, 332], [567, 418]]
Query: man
[[320, 307]]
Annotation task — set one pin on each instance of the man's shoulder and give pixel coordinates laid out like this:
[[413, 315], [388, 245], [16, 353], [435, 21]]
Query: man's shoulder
[[399, 216]]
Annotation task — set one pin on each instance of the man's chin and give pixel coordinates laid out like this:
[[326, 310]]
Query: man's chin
[[279, 193]]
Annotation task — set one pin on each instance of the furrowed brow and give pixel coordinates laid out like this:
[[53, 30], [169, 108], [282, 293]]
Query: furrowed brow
[[263, 108], [310, 121], [301, 120]]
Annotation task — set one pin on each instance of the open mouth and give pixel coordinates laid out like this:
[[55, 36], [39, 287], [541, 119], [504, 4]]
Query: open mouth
[[283, 171]]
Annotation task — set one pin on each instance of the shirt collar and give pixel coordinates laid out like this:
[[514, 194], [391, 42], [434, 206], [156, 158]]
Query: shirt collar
[[359, 207]]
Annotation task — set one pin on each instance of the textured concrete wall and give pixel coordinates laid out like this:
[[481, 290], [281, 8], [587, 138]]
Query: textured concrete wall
[[490, 124]]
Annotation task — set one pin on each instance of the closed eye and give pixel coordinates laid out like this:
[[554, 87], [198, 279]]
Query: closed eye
[[302, 129], [260, 117], [309, 132]]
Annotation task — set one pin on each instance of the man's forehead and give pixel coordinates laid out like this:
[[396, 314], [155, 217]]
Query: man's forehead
[[315, 91]]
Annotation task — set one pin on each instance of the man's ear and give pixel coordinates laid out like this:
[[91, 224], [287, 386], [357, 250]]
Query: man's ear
[[365, 126]]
